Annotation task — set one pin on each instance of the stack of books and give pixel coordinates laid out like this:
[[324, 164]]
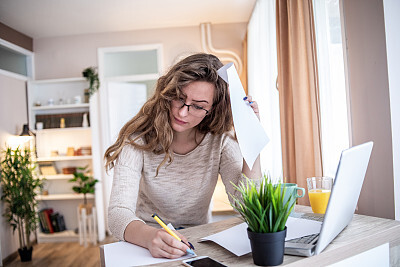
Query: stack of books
[[51, 222]]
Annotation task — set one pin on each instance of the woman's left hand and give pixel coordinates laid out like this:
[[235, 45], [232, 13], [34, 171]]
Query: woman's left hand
[[253, 105]]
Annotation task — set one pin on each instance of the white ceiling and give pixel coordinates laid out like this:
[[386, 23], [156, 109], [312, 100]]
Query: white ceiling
[[47, 18]]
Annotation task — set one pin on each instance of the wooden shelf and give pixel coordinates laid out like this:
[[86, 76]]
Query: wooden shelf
[[64, 236], [63, 158], [63, 197]]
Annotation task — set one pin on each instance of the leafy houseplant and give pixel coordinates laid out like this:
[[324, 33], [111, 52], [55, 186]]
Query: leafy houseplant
[[92, 77], [265, 207], [86, 184], [20, 186]]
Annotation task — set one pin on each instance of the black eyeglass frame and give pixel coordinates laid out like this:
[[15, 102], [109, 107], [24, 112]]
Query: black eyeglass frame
[[192, 105]]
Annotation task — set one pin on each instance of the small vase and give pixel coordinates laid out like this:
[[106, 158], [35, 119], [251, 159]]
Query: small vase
[[85, 122], [267, 248], [25, 254]]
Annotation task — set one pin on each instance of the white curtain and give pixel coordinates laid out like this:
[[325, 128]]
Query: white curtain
[[332, 88], [262, 77]]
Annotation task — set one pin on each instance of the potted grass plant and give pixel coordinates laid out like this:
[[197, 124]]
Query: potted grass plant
[[265, 207], [20, 186], [85, 184]]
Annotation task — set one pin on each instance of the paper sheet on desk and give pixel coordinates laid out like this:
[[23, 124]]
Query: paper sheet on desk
[[236, 241], [126, 254], [250, 134]]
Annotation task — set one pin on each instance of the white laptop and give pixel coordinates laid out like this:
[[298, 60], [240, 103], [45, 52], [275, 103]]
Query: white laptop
[[346, 190]]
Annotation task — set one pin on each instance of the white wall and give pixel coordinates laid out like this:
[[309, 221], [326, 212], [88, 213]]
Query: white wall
[[392, 22], [370, 101], [63, 57], [12, 117]]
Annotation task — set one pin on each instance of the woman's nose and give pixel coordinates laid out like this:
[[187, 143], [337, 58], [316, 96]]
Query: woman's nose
[[184, 111]]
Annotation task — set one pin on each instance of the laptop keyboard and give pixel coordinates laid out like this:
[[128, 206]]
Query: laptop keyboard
[[308, 216], [308, 239]]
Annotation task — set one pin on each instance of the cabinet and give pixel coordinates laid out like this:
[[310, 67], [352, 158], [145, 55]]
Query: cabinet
[[58, 103]]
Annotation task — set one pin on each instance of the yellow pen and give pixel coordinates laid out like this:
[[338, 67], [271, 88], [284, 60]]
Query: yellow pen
[[169, 231]]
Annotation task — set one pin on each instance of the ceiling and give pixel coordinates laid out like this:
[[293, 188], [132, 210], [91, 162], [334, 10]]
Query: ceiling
[[49, 18]]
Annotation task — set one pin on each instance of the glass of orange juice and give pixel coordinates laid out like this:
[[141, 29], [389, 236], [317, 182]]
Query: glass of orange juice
[[319, 191]]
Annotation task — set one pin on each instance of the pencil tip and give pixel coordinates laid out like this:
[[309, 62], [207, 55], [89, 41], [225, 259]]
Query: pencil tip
[[190, 251]]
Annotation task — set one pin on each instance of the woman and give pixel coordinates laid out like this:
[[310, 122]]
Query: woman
[[167, 158]]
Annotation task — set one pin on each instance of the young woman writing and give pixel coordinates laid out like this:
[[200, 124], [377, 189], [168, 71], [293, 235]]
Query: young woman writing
[[167, 158]]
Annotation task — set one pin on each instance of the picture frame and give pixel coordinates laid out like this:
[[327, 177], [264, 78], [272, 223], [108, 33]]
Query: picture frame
[[47, 168]]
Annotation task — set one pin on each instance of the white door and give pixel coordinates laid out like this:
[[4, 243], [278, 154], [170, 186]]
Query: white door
[[124, 102]]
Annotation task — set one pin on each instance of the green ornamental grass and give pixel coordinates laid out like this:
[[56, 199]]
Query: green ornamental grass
[[20, 186], [265, 208]]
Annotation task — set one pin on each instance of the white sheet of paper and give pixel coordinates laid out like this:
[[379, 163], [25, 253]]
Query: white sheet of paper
[[250, 134], [236, 241], [122, 253]]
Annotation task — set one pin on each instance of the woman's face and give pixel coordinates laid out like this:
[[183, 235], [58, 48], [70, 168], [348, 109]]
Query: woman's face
[[199, 95]]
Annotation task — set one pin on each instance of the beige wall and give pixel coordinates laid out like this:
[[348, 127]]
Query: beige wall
[[63, 57], [12, 117], [369, 101]]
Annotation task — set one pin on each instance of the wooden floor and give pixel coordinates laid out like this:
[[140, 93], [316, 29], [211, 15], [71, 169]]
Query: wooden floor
[[62, 254]]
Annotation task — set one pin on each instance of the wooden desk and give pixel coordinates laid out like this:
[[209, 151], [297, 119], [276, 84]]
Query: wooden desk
[[362, 234]]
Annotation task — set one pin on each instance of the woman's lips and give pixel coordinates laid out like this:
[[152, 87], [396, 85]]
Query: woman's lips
[[179, 121]]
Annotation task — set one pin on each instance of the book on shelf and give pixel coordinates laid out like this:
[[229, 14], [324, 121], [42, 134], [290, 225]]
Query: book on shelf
[[51, 222]]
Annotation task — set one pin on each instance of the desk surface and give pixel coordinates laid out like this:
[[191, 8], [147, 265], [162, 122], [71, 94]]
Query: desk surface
[[362, 234]]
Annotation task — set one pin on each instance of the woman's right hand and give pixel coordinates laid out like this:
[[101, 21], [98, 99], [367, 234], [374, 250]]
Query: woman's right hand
[[163, 245]]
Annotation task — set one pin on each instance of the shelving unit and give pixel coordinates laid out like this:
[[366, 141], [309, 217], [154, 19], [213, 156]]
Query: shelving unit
[[57, 97]]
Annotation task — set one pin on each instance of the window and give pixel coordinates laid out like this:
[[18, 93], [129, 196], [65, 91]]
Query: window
[[332, 86], [262, 74], [15, 61]]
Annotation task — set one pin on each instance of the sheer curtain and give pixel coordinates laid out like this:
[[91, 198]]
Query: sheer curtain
[[332, 89], [262, 76]]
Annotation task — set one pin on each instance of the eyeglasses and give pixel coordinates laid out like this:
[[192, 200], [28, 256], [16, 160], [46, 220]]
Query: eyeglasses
[[196, 110]]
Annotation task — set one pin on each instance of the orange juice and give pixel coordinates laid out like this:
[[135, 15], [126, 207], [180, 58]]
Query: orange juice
[[319, 199]]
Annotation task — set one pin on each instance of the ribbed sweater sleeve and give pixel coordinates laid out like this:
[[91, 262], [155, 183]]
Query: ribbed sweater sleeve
[[123, 200]]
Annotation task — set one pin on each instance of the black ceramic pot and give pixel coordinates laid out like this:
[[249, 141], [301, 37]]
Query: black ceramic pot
[[25, 254], [267, 248]]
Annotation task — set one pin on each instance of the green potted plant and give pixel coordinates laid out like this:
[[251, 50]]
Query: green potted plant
[[85, 185], [91, 75], [20, 186], [265, 207]]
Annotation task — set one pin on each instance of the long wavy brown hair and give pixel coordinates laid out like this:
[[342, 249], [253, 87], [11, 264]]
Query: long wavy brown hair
[[152, 123]]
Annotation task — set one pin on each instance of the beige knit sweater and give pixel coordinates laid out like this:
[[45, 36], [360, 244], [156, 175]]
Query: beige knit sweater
[[182, 191]]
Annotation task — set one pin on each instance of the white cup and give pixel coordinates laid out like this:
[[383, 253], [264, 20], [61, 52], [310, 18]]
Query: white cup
[[77, 99], [39, 126]]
